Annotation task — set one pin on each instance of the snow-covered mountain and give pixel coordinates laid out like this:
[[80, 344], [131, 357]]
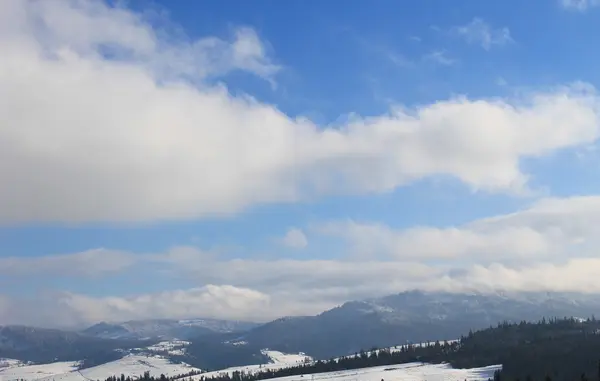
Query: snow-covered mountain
[[414, 316], [380, 322]]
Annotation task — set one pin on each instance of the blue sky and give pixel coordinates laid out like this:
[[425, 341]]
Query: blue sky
[[255, 159]]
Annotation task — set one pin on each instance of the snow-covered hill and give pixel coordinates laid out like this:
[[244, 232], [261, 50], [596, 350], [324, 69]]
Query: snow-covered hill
[[403, 372], [131, 365], [397, 348], [137, 364], [173, 347], [17, 370], [278, 359]]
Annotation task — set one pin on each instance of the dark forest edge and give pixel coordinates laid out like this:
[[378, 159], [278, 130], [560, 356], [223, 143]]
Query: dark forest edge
[[550, 350]]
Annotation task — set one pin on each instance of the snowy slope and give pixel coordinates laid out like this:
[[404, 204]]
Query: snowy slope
[[136, 365], [398, 348], [131, 365], [16, 370], [279, 360], [286, 359], [403, 372]]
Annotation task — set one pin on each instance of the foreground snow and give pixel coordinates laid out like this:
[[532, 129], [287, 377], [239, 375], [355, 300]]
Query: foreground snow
[[402, 372], [131, 365], [135, 365], [16, 370]]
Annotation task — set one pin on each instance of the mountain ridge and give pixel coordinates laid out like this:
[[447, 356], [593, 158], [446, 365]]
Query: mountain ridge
[[166, 328], [412, 316]]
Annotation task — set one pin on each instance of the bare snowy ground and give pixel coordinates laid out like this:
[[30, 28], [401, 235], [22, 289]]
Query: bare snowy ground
[[280, 358], [131, 365], [16, 370], [174, 347], [403, 372], [136, 365]]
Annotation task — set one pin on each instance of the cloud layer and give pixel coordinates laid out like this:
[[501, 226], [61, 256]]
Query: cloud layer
[[550, 229], [106, 119], [551, 245]]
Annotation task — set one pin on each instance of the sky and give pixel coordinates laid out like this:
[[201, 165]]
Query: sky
[[251, 160]]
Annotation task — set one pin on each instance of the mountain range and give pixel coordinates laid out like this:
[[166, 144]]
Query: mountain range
[[166, 328], [413, 316]]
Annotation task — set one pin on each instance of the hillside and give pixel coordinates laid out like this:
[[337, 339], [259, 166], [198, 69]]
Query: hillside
[[556, 349], [135, 365], [562, 349], [216, 344], [383, 322], [129, 366], [50, 345]]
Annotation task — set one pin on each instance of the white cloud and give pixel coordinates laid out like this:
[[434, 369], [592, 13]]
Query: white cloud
[[91, 263], [551, 229], [87, 30], [549, 246], [282, 288], [440, 57], [87, 138], [65, 309], [481, 33], [579, 5], [208, 301], [295, 238], [242, 289]]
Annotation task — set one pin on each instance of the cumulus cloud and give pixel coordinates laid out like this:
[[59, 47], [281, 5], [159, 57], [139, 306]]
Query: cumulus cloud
[[480, 32], [106, 119], [209, 301], [295, 238]]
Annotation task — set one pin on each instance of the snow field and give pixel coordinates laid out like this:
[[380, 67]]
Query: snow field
[[135, 365], [131, 365], [175, 347], [16, 370], [401, 372], [279, 360]]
